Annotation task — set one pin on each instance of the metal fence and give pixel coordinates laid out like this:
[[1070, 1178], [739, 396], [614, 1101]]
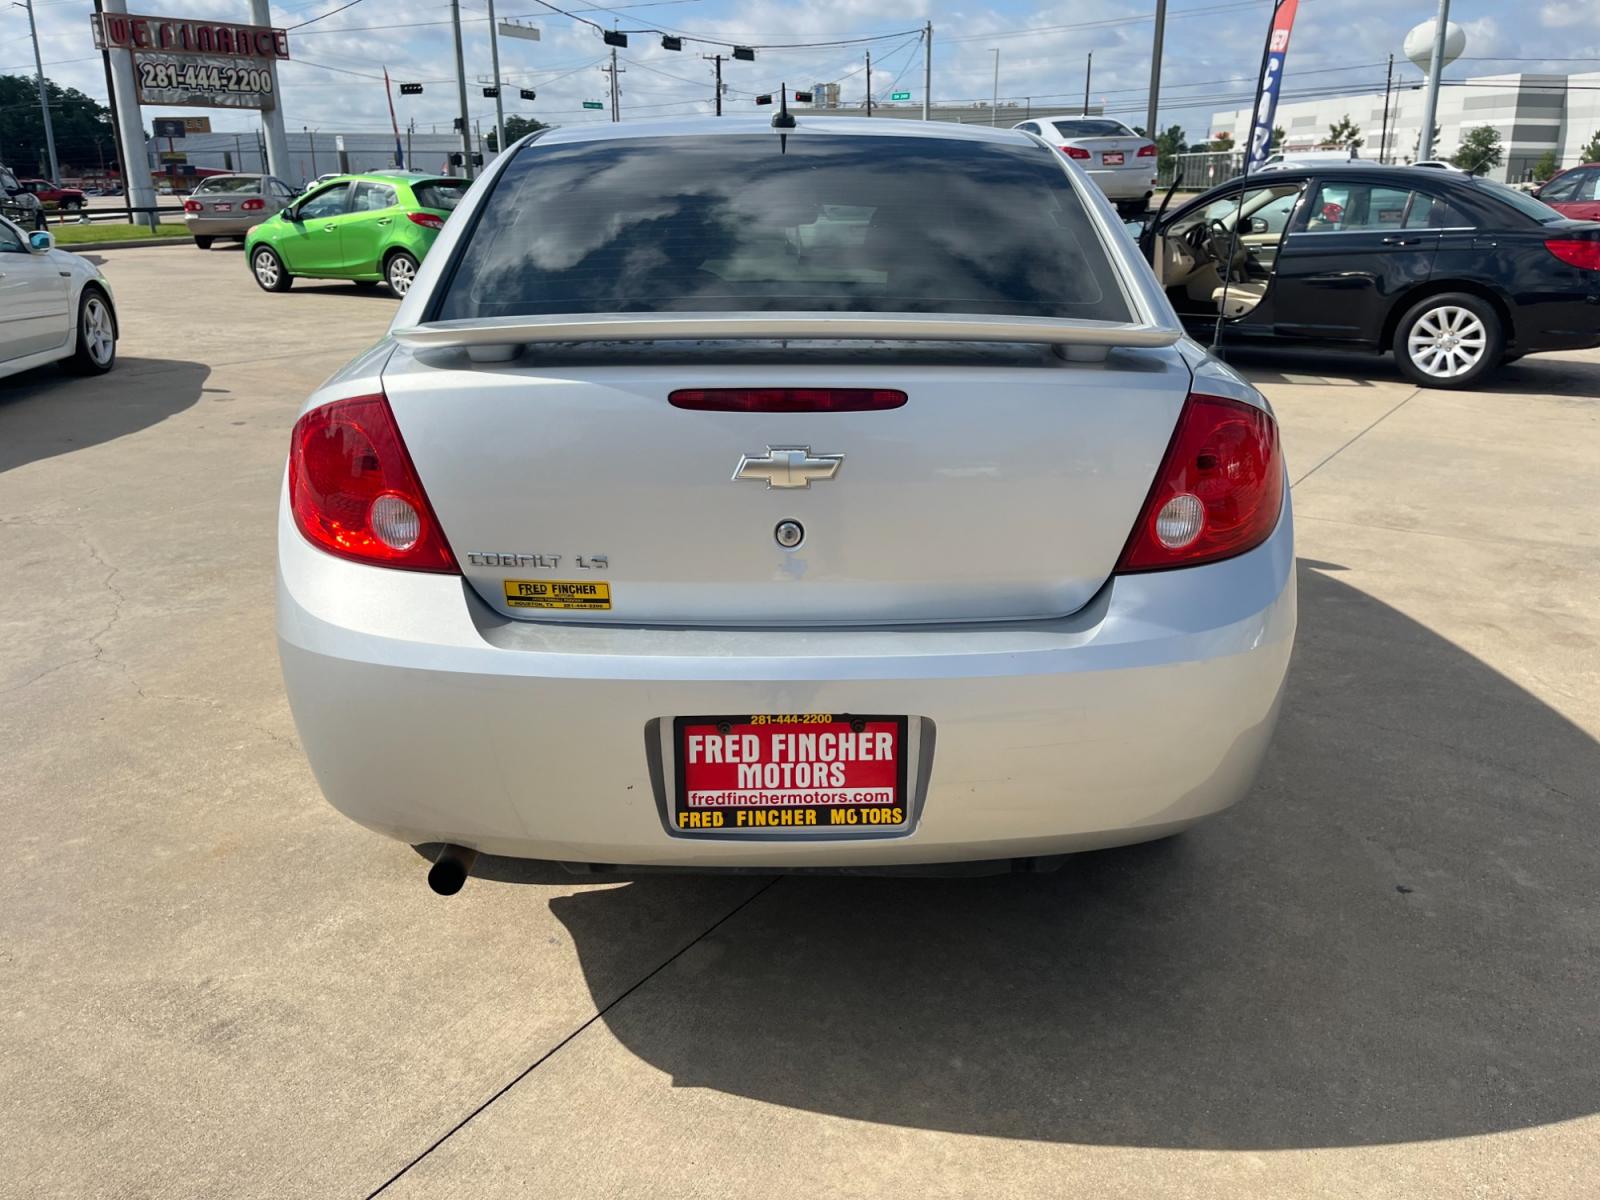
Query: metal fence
[[1201, 169]]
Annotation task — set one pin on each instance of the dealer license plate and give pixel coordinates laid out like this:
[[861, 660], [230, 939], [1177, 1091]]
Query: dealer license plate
[[1112, 158], [790, 773]]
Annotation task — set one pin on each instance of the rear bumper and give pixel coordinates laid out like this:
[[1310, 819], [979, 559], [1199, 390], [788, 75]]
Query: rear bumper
[[428, 717], [1124, 183], [223, 226]]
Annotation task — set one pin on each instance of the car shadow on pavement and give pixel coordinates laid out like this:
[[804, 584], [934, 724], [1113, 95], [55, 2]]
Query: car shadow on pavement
[[45, 412], [1395, 938], [1537, 375]]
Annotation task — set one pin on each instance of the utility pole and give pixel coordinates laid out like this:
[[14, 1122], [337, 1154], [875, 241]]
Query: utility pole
[[927, 71], [410, 129], [717, 59], [461, 92], [869, 83], [1088, 74], [312, 135], [616, 91], [1383, 138], [994, 103], [1430, 105], [1155, 69], [44, 99], [499, 105]]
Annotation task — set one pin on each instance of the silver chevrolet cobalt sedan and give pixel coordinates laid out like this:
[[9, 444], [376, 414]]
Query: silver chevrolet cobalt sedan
[[780, 493]]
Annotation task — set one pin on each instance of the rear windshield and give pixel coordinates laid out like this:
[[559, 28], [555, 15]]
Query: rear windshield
[[801, 222], [1528, 206], [443, 194], [231, 183], [1082, 129]]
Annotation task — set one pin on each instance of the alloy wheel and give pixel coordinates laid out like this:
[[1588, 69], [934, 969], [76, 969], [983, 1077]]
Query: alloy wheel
[[99, 340], [266, 265], [1447, 341], [402, 273]]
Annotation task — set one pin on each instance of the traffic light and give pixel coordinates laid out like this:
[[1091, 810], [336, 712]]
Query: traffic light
[[477, 160], [411, 89], [493, 93], [529, 94], [455, 124], [764, 98], [802, 97], [744, 53], [455, 158], [671, 43], [612, 38]]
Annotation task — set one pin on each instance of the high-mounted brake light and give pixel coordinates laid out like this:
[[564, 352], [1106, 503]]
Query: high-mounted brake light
[[1579, 252], [1074, 152], [787, 400], [1148, 150], [191, 206], [426, 220], [1219, 490], [354, 492]]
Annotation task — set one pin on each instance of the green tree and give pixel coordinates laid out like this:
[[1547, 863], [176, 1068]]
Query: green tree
[[1480, 150], [516, 127], [82, 128], [1345, 134], [1170, 143], [1279, 136], [1591, 152], [1223, 141], [1546, 166]]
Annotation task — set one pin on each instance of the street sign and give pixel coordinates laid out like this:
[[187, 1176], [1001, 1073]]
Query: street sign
[[899, 95], [174, 156], [169, 127], [593, 104], [197, 124], [512, 29]]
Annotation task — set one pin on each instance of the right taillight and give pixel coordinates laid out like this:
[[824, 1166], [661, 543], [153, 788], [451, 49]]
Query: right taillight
[[1579, 252], [355, 493], [1219, 490]]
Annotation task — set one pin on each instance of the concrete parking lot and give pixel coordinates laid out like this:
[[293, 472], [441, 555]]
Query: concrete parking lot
[[1380, 976]]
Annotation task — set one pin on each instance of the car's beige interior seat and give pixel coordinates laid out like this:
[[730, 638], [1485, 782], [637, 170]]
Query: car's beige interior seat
[[1240, 297]]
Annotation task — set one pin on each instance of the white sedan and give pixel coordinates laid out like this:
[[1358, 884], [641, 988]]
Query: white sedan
[[54, 306], [735, 494]]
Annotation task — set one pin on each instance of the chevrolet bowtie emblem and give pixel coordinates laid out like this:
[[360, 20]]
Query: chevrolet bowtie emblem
[[788, 466]]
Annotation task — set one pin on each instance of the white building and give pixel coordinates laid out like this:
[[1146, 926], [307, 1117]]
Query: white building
[[1535, 114]]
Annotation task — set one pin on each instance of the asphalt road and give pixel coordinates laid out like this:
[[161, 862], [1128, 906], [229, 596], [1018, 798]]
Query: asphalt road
[[1376, 978]]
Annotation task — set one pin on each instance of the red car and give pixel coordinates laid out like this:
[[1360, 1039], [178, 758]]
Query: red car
[[1575, 192], [64, 198]]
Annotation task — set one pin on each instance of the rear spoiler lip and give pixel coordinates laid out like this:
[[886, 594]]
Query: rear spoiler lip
[[511, 332]]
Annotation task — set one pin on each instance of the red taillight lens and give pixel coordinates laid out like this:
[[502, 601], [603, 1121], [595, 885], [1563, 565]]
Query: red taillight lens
[[1148, 150], [1219, 490], [1580, 252], [426, 220], [1074, 152], [787, 400], [253, 205], [354, 492], [191, 206]]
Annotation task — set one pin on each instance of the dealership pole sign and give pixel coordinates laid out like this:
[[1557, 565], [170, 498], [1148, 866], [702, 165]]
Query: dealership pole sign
[[1270, 82], [196, 63]]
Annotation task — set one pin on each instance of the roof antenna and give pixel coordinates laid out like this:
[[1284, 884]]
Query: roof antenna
[[783, 119]]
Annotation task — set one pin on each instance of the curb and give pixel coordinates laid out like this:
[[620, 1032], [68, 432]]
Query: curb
[[86, 247]]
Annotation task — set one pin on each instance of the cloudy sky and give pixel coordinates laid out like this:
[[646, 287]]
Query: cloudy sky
[[1212, 52]]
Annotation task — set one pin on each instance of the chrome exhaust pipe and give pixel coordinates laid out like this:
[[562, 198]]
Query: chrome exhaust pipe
[[450, 869]]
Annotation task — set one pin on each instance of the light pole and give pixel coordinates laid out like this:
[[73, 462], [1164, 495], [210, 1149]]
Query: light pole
[[494, 61], [311, 136], [994, 103], [927, 71], [1088, 74], [1430, 103], [44, 97], [1155, 69], [461, 91]]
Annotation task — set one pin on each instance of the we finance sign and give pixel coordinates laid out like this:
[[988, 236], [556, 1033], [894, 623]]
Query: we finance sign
[[182, 35]]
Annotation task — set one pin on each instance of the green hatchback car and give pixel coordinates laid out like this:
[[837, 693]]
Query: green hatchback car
[[368, 228]]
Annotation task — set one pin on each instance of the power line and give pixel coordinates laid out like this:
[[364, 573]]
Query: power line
[[324, 16]]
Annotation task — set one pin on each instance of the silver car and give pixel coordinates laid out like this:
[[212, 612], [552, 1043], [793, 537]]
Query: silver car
[[231, 205], [665, 527], [1121, 162]]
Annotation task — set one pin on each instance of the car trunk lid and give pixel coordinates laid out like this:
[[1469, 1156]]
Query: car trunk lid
[[1004, 487]]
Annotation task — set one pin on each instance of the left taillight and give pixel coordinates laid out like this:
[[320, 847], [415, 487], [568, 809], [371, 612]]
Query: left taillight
[[1074, 152], [1577, 252], [1148, 150], [1219, 490], [426, 220], [355, 493], [191, 206]]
